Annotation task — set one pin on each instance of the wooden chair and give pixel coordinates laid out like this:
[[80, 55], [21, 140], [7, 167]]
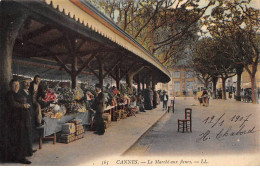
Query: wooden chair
[[171, 105], [186, 124]]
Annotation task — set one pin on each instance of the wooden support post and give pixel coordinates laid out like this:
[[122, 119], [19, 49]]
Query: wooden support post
[[138, 83], [127, 79], [154, 94], [74, 70], [101, 70], [118, 78], [147, 84], [150, 81], [73, 81], [127, 71], [118, 84], [129, 82], [143, 85], [130, 78]]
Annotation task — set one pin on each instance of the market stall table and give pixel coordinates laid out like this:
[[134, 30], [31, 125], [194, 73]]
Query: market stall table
[[54, 125]]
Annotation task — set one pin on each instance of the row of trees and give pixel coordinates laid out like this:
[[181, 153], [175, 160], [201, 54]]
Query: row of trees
[[164, 27], [169, 28], [233, 45]]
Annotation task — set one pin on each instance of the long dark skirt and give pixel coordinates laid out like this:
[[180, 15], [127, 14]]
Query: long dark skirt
[[100, 124], [18, 142]]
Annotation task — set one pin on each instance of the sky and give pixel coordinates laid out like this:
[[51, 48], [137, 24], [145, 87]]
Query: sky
[[253, 3]]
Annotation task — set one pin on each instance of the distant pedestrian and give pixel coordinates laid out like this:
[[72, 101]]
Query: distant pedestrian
[[165, 100], [205, 97], [242, 94]]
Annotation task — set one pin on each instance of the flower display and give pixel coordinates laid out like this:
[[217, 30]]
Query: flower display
[[65, 94], [77, 93], [116, 92], [55, 111], [49, 96]]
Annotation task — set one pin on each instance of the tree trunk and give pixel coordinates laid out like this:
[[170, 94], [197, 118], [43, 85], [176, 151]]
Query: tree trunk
[[10, 25], [205, 83], [238, 89], [253, 87], [252, 74], [224, 88], [9, 29], [214, 81]]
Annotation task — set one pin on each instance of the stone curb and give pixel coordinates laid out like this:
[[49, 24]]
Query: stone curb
[[144, 133]]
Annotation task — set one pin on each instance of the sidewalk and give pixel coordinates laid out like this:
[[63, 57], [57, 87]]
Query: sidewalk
[[211, 137], [119, 137]]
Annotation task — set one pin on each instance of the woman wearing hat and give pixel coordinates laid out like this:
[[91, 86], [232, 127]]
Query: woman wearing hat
[[98, 106]]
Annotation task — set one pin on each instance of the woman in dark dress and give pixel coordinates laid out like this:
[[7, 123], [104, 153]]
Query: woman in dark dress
[[18, 123], [98, 106]]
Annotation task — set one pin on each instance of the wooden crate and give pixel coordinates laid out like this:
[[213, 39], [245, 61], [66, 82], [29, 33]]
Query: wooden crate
[[79, 132], [79, 136], [68, 126], [78, 127], [116, 116], [66, 138], [76, 121], [107, 117], [124, 115]]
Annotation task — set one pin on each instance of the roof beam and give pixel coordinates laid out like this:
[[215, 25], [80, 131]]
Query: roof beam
[[128, 70], [87, 62], [80, 45], [62, 64], [92, 71], [37, 32], [42, 65], [54, 42], [112, 68]]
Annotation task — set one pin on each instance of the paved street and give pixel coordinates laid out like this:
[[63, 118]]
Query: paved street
[[206, 140], [151, 138]]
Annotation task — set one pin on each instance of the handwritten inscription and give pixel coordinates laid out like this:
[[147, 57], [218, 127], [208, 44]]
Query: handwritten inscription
[[219, 124]]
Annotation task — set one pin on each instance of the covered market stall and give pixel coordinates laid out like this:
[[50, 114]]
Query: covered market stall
[[70, 42]]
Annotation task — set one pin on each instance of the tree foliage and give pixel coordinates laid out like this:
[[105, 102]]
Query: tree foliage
[[163, 27], [203, 62], [237, 25]]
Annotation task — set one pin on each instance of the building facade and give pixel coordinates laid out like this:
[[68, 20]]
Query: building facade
[[183, 82]]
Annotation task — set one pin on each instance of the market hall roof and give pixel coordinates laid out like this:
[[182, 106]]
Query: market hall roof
[[56, 30]]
